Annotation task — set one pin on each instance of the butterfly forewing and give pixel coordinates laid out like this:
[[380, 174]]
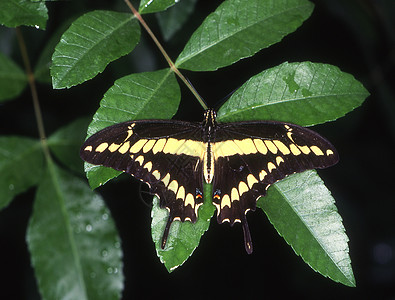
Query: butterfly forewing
[[162, 153]]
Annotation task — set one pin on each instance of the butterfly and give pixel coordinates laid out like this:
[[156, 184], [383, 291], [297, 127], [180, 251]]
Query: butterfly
[[240, 159]]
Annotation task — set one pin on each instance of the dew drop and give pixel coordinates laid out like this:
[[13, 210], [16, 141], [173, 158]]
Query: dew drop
[[37, 26], [104, 253], [11, 187], [110, 270], [88, 227], [117, 245], [104, 216]]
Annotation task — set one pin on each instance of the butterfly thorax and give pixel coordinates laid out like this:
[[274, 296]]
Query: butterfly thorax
[[209, 126]]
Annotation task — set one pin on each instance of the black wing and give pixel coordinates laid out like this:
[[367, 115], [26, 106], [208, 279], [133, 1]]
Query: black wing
[[250, 156], [165, 154]]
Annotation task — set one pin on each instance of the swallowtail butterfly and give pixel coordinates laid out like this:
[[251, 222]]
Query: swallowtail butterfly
[[240, 159]]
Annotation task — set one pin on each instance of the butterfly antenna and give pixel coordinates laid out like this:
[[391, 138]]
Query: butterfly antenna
[[224, 99], [196, 94]]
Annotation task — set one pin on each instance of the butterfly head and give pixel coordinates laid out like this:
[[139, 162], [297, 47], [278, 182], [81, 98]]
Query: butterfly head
[[209, 118]]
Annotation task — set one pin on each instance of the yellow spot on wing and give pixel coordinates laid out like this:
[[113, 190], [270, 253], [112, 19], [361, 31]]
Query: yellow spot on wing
[[273, 149], [148, 166], [225, 148], [140, 159], [305, 149], [235, 195], [329, 152], [225, 201], [280, 145], [246, 146], [295, 150], [101, 147], [251, 180], [260, 145], [159, 146], [137, 146], [124, 148], [166, 179], [271, 166], [262, 175], [181, 193], [88, 148], [242, 188], [172, 145], [279, 160], [114, 147], [189, 200], [156, 174], [173, 186], [316, 150], [148, 146]]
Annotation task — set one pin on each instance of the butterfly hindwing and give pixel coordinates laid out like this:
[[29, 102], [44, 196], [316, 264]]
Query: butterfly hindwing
[[161, 153], [250, 156]]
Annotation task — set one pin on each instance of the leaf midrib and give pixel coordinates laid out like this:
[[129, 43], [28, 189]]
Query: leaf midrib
[[234, 33]]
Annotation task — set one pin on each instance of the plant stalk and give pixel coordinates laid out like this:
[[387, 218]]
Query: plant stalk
[[166, 56], [33, 90]]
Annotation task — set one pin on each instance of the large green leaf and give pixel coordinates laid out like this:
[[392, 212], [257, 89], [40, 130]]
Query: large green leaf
[[92, 41], [75, 249], [184, 237], [303, 212], [66, 142], [21, 166], [14, 13], [12, 79], [240, 28], [151, 95], [303, 93]]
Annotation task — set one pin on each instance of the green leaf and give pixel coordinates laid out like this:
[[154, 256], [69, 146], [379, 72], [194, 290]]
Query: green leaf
[[92, 41], [12, 79], [184, 237], [21, 166], [14, 13], [239, 29], [74, 246], [303, 93], [66, 142], [151, 95], [173, 19], [303, 212], [151, 6]]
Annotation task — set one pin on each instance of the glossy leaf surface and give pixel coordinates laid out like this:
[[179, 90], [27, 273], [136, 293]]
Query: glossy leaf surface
[[15, 13], [303, 93], [239, 29], [15, 154], [73, 242], [92, 42], [303, 212]]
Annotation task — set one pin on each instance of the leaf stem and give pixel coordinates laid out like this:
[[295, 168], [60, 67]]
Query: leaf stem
[[166, 56], [33, 90]]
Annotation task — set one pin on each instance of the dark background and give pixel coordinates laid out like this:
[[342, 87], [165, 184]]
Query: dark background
[[359, 38]]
